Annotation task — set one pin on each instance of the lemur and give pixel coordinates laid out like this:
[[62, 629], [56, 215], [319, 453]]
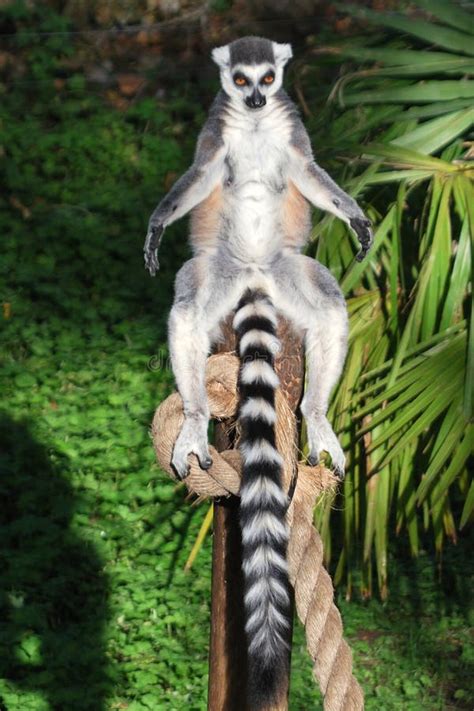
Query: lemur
[[249, 187]]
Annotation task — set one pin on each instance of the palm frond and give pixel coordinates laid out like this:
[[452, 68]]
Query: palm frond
[[404, 406]]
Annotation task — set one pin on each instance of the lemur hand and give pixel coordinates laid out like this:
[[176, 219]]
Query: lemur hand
[[362, 228], [150, 249]]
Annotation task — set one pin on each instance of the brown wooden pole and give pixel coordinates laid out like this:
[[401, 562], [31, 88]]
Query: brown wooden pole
[[228, 646]]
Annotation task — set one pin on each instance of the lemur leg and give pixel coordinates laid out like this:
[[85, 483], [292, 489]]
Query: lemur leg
[[192, 325], [312, 299], [326, 347]]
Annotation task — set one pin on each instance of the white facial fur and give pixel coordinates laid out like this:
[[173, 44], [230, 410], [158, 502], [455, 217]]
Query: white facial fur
[[253, 72]]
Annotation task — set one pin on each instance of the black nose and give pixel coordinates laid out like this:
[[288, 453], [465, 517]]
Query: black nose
[[256, 100]]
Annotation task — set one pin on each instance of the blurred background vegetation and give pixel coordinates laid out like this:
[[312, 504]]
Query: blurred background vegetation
[[100, 105]]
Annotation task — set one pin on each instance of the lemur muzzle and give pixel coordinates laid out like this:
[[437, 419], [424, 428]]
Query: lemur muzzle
[[256, 100]]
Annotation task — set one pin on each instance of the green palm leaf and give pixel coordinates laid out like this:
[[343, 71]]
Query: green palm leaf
[[404, 405], [421, 93], [449, 13], [434, 34]]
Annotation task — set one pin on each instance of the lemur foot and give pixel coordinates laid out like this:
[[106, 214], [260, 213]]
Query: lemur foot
[[191, 440], [321, 438], [362, 228], [150, 249]]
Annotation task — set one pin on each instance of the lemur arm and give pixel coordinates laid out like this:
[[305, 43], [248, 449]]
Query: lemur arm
[[320, 189], [192, 188]]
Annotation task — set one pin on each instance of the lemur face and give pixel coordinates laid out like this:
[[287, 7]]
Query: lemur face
[[252, 69]]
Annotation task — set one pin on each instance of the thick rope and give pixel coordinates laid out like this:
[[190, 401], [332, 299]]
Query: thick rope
[[314, 594]]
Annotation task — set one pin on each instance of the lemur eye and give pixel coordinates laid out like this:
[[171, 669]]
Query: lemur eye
[[240, 80], [269, 78]]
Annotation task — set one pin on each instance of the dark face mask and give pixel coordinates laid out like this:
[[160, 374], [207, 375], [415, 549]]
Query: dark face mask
[[256, 100]]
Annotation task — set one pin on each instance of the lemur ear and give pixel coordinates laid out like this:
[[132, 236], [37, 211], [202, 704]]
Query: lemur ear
[[221, 56], [282, 53]]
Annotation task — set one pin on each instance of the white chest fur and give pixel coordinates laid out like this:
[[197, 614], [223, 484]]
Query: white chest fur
[[257, 152], [257, 145]]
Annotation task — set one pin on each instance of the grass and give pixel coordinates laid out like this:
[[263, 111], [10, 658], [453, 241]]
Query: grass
[[96, 611]]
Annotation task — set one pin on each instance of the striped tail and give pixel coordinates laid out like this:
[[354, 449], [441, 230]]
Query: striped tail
[[263, 503]]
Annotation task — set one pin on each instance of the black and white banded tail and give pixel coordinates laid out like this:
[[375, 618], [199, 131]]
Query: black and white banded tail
[[263, 503]]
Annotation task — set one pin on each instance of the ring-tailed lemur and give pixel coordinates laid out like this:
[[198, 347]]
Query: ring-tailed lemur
[[248, 187]]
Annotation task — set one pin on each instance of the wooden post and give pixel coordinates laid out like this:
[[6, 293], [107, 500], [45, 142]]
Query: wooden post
[[228, 646]]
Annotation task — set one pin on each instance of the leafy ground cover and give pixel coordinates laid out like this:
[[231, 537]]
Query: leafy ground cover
[[96, 611]]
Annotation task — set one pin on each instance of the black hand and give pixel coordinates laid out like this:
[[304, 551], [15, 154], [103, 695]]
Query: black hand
[[150, 250], [339, 473], [361, 226]]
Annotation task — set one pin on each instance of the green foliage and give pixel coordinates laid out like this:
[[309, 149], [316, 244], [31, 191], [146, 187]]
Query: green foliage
[[96, 610], [404, 406], [221, 5], [84, 362]]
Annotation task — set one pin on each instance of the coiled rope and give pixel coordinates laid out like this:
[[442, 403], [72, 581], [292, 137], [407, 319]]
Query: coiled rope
[[314, 594]]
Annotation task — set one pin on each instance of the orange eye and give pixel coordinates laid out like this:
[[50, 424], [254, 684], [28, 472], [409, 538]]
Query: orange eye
[[269, 78], [240, 81]]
